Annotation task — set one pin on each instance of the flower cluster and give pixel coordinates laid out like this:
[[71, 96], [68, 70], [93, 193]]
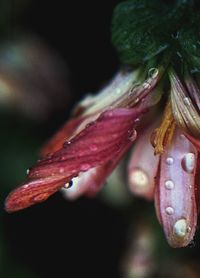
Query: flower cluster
[[157, 105]]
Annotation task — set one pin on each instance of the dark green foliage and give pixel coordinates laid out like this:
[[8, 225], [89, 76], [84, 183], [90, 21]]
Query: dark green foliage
[[143, 29]]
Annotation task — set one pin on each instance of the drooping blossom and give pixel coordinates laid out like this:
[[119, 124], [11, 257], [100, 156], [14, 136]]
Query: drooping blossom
[[164, 161]]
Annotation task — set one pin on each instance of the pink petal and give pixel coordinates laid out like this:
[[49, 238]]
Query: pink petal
[[143, 167], [175, 191], [97, 144]]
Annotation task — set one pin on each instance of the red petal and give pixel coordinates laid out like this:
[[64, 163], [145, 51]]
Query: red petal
[[97, 144], [143, 167], [175, 191]]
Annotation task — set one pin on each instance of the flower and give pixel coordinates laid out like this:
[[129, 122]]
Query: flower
[[164, 163]]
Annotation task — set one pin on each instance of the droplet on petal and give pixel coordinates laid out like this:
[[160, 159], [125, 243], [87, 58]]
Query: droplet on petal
[[68, 185], [180, 228], [169, 160], [153, 72], [175, 192], [169, 184], [169, 210], [188, 162]]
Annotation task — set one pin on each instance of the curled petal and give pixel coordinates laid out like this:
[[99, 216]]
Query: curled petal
[[143, 166], [97, 144], [185, 113], [175, 191]]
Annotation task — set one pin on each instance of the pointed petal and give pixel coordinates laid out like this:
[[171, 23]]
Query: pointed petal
[[143, 166], [175, 191], [97, 144]]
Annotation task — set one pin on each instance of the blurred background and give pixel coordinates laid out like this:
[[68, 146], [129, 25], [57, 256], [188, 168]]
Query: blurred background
[[51, 54]]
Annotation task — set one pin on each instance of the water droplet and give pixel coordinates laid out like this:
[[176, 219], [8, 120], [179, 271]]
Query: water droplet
[[169, 184], [93, 148], [25, 186], [85, 167], [137, 120], [180, 228], [188, 162], [146, 85], [27, 171], [169, 160], [187, 100], [132, 135], [136, 100], [66, 144], [169, 210], [153, 72], [68, 184], [182, 136], [61, 170], [139, 179]]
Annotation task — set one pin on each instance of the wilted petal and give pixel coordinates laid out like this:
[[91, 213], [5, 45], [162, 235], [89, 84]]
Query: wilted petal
[[143, 167], [97, 144], [175, 191]]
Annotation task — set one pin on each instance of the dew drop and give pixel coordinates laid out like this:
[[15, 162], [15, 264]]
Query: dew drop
[[67, 143], [188, 162], [61, 170], [68, 185], [169, 210], [146, 85], [132, 135], [187, 100], [169, 160], [180, 228], [182, 136], [169, 184], [27, 171], [93, 148], [153, 72], [137, 120]]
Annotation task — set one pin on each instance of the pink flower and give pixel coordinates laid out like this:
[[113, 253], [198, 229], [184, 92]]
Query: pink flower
[[104, 128]]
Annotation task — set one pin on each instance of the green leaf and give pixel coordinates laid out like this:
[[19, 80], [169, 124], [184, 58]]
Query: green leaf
[[143, 29]]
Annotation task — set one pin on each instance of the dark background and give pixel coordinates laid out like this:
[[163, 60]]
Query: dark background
[[60, 238]]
